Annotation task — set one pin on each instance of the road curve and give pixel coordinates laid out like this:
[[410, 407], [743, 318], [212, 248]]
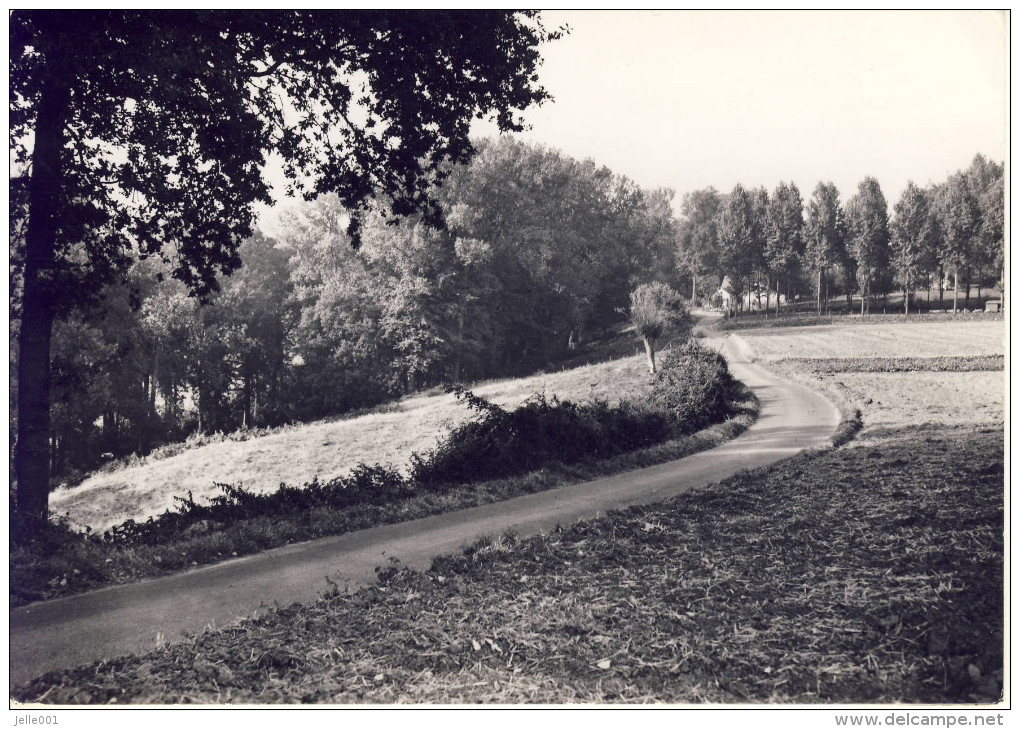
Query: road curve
[[131, 618]]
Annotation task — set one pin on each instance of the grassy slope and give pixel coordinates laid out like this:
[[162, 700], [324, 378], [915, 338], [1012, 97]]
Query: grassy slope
[[325, 449], [869, 573], [68, 564]]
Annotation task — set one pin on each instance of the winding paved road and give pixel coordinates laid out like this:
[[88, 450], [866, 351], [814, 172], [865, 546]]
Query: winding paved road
[[131, 618]]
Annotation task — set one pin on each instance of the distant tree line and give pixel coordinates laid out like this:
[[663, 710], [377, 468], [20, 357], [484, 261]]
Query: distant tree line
[[539, 253], [778, 245]]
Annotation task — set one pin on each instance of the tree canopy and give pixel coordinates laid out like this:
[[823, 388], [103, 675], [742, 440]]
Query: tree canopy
[[868, 225], [145, 133]]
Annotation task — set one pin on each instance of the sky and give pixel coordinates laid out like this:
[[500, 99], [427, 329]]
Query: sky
[[688, 99]]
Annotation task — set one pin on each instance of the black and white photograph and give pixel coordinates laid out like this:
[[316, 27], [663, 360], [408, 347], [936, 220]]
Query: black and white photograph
[[392, 358]]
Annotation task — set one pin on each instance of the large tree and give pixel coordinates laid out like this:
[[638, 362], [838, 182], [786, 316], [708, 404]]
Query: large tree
[[146, 133], [868, 224], [986, 182], [825, 232], [759, 241], [960, 219], [737, 240], [784, 232], [913, 238], [698, 240]]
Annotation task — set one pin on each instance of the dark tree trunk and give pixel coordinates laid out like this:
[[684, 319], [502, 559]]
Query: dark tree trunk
[[942, 279], [825, 282], [32, 450], [246, 402], [153, 379]]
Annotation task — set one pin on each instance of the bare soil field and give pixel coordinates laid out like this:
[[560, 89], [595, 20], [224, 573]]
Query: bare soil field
[[853, 575], [902, 399], [324, 450]]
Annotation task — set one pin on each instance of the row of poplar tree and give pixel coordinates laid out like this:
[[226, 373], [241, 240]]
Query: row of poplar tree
[[950, 233], [539, 255]]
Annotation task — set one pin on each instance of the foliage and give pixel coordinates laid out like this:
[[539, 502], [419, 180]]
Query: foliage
[[736, 238], [655, 307], [913, 240], [960, 220], [146, 134], [698, 239], [868, 227], [986, 179], [784, 229], [308, 327], [693, 386], [825, 228], [503, 443]]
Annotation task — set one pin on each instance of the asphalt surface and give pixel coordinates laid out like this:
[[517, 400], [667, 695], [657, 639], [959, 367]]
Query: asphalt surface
[[135, 618]]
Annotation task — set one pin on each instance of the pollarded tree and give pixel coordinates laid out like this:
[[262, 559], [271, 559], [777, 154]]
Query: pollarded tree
[[868, 224], [960, 220], [784, 232], [654, 308], [146, 133], [825, 232], [913, 238]]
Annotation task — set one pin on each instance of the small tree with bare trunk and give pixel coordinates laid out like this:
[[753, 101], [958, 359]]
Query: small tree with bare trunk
[[654, 308]]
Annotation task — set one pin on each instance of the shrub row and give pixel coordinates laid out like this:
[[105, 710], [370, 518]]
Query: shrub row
[[506, 443]]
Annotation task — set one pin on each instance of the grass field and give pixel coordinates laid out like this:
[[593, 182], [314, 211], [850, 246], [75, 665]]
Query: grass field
[[922, 339], [324, 450]]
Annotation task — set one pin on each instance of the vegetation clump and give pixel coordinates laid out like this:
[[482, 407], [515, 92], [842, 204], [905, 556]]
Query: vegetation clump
[[693, 386], [543, 430]]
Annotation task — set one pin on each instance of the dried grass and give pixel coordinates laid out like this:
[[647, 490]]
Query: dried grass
[[325, 450]]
